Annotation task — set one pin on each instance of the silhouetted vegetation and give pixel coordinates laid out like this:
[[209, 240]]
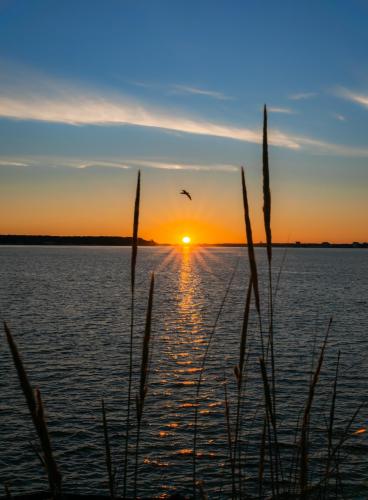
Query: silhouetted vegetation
[[73, 240], [283, 473]]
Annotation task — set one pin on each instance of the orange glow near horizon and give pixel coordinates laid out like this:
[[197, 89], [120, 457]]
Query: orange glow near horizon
[[77, 205]]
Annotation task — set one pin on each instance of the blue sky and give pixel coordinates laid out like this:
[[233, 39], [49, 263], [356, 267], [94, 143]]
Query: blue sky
[[178, 87]]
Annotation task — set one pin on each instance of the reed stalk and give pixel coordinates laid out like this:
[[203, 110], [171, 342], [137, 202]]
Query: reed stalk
[[199, 382], [35, 406], [144, 377], [110, 472], [239, 373], [344, 437], [261, 465], [266, 188], [293, 480], [331, 422], [270, 417], [135, 233], [239, 369], [304, 444], [232, 450], [268, 232], [132, 288], [267, 226], [251, 255]]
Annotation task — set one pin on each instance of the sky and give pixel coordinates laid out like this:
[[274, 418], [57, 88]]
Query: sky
[[92, 91]]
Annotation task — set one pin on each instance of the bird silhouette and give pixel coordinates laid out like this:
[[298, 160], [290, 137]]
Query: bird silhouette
[[186, 194]]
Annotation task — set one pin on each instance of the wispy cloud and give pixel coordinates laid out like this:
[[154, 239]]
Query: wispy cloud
[[167, 165], [322, 147], [102, 163], [13, 163], [287, 111], [185, 89], [302, 95], [340, 118], [31, 97], [125, 164], [27, 96], [55, 162], [350, 95]]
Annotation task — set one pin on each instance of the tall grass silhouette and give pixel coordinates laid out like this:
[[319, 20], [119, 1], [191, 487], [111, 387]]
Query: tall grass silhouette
[[270, 479], [140, 398], [35, 406], [133, 265]]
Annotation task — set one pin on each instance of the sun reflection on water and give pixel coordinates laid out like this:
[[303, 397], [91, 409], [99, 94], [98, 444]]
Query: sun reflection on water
[[185, 340], [188, 283]]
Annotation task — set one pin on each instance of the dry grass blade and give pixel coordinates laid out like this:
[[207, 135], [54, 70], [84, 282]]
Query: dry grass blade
[[331, 420], [266, 188], [304, 455], [345, 436], [267, 225], [239, 373], [199, 382], [144, 376], [267, 392], [110, 472], [52, 470], [293, 473], [132, 282], [135, 232], [37, 413], [145, 351], [243, 338], [252, 258], [230, 440], [262, 452], [270, 418]]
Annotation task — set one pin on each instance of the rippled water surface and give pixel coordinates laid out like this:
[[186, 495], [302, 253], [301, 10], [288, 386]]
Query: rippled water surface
[[69, 311]]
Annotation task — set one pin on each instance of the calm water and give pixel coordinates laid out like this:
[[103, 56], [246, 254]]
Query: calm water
[[69, 310]]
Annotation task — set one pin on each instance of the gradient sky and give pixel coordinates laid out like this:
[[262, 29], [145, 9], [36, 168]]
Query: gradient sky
[[92, 91]]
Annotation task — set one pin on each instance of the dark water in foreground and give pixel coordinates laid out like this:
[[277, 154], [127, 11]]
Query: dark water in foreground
[[69, 311]]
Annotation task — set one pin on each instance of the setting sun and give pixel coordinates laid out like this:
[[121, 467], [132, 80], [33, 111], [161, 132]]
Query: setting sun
[[185, 240]]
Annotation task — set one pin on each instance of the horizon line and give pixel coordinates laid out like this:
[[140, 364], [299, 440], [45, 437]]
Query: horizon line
[[155, 243]]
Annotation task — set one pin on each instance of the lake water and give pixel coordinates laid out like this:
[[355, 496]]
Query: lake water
[[69, 311]]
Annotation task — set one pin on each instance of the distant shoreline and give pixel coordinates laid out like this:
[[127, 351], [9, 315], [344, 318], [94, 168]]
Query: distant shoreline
[[127, 241], [72, 240]]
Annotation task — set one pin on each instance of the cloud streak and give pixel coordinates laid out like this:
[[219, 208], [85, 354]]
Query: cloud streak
[[167, 165], [13, 163], [125, 164], [286, 111], [356, 97], [340, 118], [185, 89], [60, 102], [302, 95], [31, 97]]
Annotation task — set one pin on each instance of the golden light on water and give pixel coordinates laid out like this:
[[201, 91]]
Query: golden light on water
[[186, 240], [360, 431]]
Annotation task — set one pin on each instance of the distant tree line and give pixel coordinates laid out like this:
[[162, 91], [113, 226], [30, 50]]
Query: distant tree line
[[72, 240]]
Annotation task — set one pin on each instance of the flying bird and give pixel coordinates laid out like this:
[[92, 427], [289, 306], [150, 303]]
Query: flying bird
[[186, 193]]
